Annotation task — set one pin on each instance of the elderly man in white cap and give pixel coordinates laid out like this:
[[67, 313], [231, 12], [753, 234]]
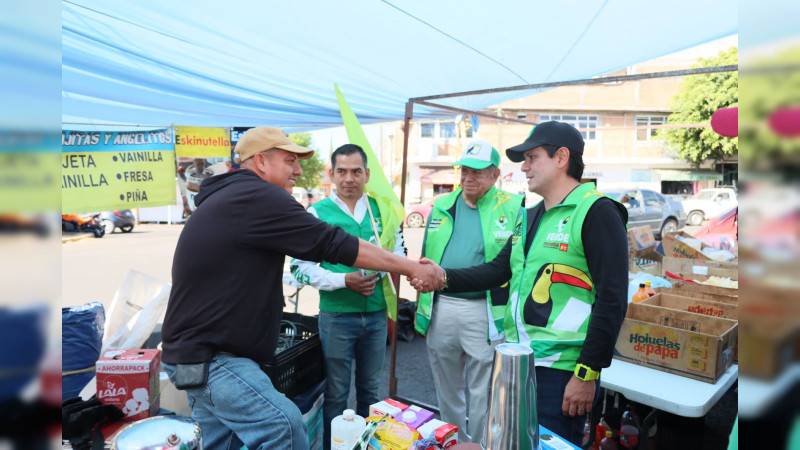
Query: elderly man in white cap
[[225, 307], [467, 227]]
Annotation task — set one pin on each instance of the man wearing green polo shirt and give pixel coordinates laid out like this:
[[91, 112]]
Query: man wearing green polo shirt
[[465, 228], [352, 316]]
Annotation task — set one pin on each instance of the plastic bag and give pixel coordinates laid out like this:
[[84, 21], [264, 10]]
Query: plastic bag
[[641, 277], [81, 338], [23, 334], [406, 311], [138, 305]]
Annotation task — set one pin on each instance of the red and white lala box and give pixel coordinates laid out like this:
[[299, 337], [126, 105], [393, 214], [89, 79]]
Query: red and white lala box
[[128, 379]]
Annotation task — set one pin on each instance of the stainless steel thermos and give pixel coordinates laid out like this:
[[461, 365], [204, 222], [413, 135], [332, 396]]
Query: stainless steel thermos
[[512, 422]]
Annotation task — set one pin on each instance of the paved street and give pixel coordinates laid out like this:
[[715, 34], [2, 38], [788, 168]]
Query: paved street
[[93, 268]]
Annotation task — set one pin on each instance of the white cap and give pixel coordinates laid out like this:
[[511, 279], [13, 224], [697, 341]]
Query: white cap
[[479, 155], [349, 414]]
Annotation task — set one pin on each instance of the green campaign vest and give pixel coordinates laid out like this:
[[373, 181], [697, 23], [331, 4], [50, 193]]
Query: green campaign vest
[[552, 291], [497, 210], [346, 300]]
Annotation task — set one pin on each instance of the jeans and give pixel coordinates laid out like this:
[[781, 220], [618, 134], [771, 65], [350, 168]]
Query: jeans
[[239, 406], [346, 337], [550, 387]]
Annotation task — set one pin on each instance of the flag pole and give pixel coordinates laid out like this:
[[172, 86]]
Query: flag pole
[[378, 240]]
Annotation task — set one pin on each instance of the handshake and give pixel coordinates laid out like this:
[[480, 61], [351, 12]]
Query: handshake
[[427, 276]]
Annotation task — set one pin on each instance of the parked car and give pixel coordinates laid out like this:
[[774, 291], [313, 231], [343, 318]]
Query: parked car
[[723, 228], [315, 195], [646, 207], [417, 215], [707, 203], [122, 219]]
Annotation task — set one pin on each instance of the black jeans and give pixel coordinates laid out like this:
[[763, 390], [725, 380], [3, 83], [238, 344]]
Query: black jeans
[[550, 386]]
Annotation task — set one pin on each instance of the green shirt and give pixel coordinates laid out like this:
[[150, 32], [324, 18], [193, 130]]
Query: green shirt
[[465, 248], [497, 211]]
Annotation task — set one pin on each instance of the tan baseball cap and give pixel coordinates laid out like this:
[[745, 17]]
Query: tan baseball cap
[[261, 139]]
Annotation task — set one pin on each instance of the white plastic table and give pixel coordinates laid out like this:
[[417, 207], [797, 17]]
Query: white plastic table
[[665, 391], [756, 396]]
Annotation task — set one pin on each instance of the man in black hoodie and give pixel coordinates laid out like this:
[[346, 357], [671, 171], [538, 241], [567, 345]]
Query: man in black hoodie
[[225, 307]]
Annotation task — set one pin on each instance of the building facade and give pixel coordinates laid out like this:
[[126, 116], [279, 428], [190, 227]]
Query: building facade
[[621, 150]]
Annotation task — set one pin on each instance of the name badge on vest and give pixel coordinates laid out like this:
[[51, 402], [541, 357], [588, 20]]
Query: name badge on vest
[[502, 234], [558, 239]]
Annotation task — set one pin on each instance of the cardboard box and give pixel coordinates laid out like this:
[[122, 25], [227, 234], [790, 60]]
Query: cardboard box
[[382, 408], [640, 238], [444, 433], [129, 380], [715, 268], [646, 260], [687, 344], [673, 247], [706, 289], [712, 272], [694, 305], [701, 279], [762, 299], [719, 298], [415, 416], [768, 345]]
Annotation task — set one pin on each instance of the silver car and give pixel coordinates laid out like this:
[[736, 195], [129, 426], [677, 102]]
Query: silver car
[[646, 207]]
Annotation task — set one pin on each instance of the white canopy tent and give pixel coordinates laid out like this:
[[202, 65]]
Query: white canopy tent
[[236, 63]]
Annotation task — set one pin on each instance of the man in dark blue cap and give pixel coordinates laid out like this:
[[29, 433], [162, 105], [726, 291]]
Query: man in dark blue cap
[[567, 263]]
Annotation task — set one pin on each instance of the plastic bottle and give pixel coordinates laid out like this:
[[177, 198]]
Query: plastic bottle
[[630, 429], [608, 442], [599, 432], [587, 428], [640, 295], [648, 287], [346, 429]]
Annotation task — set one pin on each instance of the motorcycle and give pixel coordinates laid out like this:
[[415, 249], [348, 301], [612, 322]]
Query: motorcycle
[[76, 223]]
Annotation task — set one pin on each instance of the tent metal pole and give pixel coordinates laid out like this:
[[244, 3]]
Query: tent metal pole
[[526, 122], [598, 80], [475, 113], [393, 358]]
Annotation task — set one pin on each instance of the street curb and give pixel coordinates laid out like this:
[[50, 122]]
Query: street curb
[[75, 238]]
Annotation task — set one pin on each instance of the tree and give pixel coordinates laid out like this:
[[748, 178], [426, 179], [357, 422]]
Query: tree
[[769, 87], [699, 98], [310, 179]]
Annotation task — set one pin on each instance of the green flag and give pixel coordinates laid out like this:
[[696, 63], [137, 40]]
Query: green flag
[[378, 187]]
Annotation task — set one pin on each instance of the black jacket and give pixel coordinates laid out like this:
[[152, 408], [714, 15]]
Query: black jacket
[[227, 293]]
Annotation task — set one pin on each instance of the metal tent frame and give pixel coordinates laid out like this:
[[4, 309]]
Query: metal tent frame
[[409, 114]]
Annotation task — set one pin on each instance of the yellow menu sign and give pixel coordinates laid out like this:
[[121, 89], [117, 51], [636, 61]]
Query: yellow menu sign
[[105, 170]]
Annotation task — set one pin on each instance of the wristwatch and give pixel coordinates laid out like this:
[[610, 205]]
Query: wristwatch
[[585, 373], [444, 281]]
